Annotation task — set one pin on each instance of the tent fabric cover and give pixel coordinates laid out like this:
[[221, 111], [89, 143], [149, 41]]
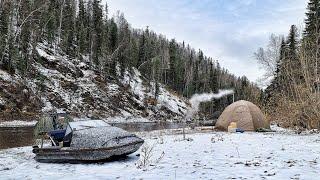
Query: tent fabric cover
[[95, 134], [248, 117], [101, 137]]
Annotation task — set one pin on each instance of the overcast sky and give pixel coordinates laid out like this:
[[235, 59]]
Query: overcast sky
[[227, 30]]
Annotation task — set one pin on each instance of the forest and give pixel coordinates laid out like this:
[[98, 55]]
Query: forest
[[292, 64], [85, 30]]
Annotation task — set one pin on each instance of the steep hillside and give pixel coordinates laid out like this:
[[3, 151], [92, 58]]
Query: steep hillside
[[73, 56], [62, 84]]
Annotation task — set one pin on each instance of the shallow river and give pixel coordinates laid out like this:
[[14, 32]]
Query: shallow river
[[23, 136], [15, 137]]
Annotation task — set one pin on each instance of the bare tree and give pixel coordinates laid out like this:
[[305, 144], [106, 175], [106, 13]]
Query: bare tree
[[269, 56]]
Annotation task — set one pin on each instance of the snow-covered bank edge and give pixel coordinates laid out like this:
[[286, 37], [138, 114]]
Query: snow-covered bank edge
[[17, 123], [293, 130], [120, 119]]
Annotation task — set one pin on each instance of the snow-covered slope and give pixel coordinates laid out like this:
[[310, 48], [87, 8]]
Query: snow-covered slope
[[63, 84]]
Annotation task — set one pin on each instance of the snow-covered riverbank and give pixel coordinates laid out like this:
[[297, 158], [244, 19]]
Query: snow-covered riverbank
[[204, 156], [17, 123]]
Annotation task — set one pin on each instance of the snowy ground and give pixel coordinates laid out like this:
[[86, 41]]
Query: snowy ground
[[216, 155]]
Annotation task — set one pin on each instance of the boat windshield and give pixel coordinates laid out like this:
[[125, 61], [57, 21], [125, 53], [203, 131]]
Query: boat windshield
[[80, 125]]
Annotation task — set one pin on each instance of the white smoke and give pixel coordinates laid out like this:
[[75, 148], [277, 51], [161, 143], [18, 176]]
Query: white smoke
[[196, 99]]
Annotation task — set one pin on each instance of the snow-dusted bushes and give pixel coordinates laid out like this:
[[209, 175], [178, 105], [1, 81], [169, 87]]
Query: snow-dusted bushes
[[147, 158]]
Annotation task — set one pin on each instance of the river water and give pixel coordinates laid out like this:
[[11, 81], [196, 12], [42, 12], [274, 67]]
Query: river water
[[23, 136], [15, 137]]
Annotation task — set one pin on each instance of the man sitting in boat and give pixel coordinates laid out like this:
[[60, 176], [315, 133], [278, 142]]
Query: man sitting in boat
[[59, 123]]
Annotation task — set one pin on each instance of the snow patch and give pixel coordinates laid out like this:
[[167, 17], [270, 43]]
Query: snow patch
[[2, 102], [135, 82], [5, 76], [43, 53], [171, 101], [47, 105], [165, 98]]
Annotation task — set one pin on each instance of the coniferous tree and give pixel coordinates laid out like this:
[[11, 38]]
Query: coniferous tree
[[5, 62], [25, 36], [293, 41], [113, 36], [97, 31], [134, 53], [68, 27], [294, 63], [52, 21], [82, 23], [113, 41], [105, 34], [172, 63], [313, 19], [214, 79], [142, 50], [277, 83], [196, 77], [201, 74]]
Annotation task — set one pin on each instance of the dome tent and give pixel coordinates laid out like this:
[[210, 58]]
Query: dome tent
[[248, 117]]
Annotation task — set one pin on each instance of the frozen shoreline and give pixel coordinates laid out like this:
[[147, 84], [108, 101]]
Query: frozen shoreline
[[214, 155], [17, 123]]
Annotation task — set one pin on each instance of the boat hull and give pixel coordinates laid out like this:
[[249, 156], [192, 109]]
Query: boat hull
[[72, 155]]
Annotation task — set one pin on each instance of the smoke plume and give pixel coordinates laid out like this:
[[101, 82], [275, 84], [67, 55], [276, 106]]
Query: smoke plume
[[196, 99]]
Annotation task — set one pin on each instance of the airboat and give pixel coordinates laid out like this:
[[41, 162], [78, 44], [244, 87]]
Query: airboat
[[87, 141]]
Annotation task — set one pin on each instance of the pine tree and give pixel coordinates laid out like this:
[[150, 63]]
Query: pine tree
[[25, 37], [124, 42], [196, 77], [5, 62], [172, 76], [134, 53], [113, 35], [147, 53], [68, 28], [52, 21], [82, 23], [312, 21], [293, 42], [279, 73], [105, 45], [294, 62], [244, 87], [213, 79], [97, 32], [112, 45], [142, 50], [156, 76], [312, 41], [39, 19]]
